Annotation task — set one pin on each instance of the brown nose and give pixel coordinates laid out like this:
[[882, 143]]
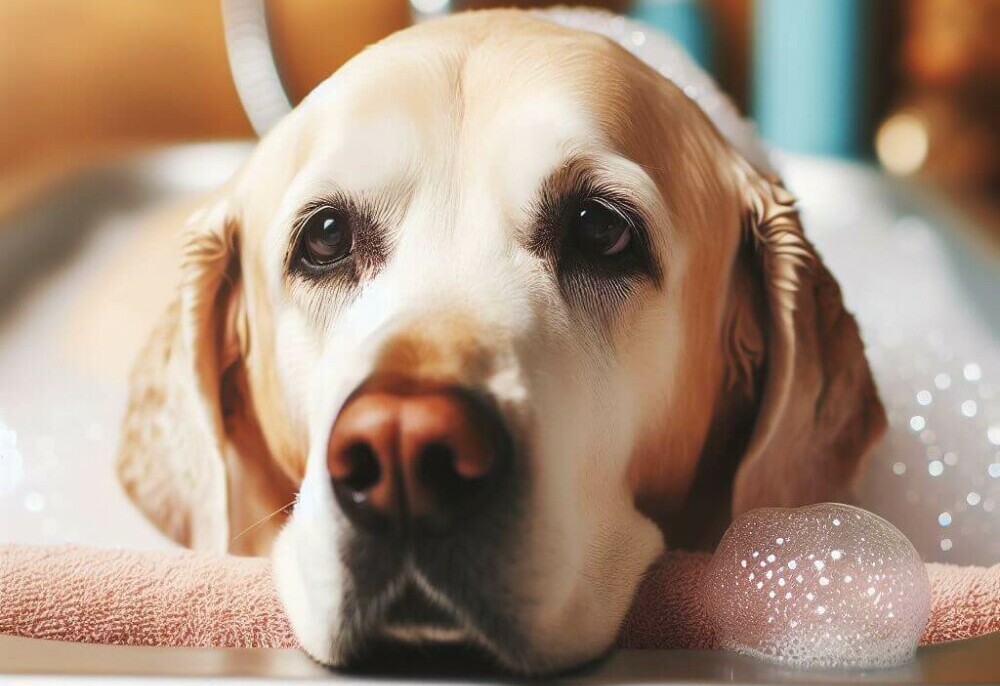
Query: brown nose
[[415, 461]]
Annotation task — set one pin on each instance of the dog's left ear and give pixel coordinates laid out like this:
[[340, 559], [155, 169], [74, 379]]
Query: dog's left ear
[[818, 412]]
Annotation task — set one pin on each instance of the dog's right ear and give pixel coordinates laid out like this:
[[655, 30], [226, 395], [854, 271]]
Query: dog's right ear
[[172, 456]]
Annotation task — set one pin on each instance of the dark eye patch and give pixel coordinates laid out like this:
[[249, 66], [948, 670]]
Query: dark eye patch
[[595, 239]]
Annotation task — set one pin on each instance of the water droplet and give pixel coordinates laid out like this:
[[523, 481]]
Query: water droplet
[[935, 468], [899, 469], [917, 423], [34, 502], [942, 381], [972, 372], [924, 398], [944, 519]]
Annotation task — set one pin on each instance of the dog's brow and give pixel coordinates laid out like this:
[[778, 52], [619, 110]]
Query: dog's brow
[[580, 171], [591, 174]]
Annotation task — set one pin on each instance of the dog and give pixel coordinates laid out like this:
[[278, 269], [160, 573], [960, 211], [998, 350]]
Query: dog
[[503, 315]]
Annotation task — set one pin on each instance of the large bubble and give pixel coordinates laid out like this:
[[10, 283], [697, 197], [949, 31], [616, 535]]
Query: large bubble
[[827, 585]]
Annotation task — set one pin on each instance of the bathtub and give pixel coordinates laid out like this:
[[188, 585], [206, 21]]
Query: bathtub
[[923, 284]]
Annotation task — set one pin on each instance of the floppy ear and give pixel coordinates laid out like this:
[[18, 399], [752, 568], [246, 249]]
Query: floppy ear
[[819, 411], [172, 456]]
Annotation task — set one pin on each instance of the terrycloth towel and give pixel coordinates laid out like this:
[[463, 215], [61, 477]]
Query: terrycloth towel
[[125, 597], [667, 613], [192, 599]]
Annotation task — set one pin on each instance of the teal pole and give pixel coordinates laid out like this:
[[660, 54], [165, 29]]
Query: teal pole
[[809, 88], [685, 20]]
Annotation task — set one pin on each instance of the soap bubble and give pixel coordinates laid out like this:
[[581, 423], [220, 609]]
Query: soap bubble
[[827, 585]]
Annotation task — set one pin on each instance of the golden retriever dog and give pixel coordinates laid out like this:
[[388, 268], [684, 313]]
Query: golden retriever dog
[[504, 315]]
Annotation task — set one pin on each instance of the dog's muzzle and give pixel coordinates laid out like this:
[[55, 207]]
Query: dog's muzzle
[[427, 480]]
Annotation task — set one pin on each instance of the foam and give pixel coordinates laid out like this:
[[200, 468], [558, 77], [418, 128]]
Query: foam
[[827, 585]]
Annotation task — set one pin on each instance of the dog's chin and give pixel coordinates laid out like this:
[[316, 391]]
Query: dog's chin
[[417, 633], [430, 627], [429, 655], [403, 627], [406, 631]]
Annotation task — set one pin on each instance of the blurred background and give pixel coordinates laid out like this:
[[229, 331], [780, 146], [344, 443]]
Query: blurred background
[[912, 85]]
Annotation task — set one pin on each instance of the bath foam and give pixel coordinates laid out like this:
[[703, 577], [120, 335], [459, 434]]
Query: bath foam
[[826, 585]]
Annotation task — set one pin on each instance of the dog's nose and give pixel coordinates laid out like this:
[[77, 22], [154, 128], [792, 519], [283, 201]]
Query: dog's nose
[[415, 461]]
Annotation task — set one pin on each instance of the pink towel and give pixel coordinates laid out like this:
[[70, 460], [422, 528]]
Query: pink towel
[[197, 600], [126, 597]]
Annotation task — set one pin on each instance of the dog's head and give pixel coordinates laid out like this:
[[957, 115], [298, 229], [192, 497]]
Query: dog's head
[[504, 310]]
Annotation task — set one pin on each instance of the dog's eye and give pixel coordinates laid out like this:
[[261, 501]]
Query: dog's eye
[[326, 238], [599, 230]]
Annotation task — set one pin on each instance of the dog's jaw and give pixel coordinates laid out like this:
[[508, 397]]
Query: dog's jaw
[[312, 590]]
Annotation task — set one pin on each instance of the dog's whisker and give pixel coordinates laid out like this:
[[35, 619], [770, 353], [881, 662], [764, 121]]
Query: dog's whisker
[[261, 521]]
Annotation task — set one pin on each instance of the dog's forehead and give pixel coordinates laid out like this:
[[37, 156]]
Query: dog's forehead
[[499, 101]]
